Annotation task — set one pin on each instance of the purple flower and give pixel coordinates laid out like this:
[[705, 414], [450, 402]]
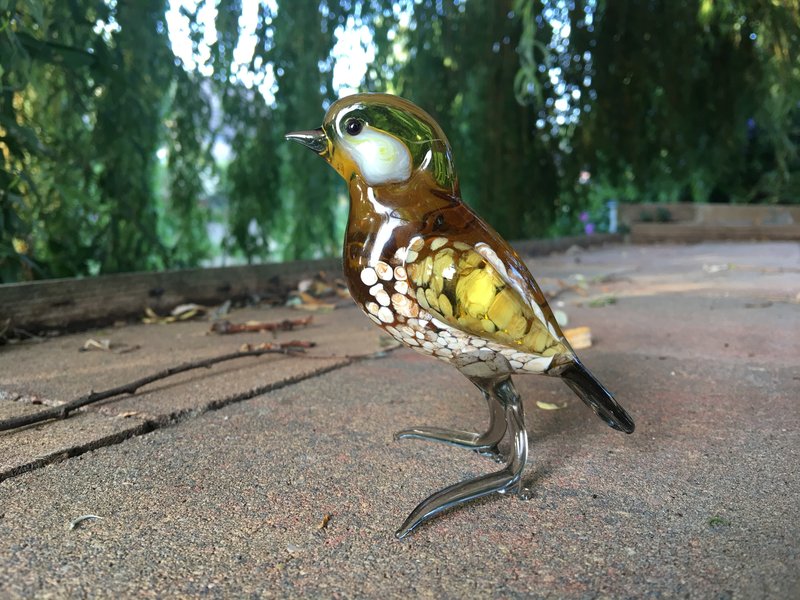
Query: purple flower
[[584, 217], [588, 228]]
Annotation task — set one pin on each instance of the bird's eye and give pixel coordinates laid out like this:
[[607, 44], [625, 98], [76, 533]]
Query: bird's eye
[[354, 126]]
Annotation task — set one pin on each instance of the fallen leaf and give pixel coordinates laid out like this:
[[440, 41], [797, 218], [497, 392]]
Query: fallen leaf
[[182, 309], [550, 405], [579, 337], [711, 269], [182, 312], [75, 522], [93, 344], [316, 307], [326, 518], [307, 298], [151, 317], [602, 301], [106, 346]]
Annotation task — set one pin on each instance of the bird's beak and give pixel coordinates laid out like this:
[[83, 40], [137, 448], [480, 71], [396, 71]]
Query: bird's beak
[[315, 139]]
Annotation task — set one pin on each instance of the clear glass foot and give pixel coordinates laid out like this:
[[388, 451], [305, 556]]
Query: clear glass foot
[[507, 480], [492, 454], [485, 443], [454, 437]]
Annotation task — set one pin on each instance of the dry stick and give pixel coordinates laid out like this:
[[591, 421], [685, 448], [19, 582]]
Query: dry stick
[[62, 412], [225, 327]]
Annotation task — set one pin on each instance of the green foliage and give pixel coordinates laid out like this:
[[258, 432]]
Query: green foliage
[[84, 106], [134, 92], [552, 108], [189, 156], [252, 178], [462, 66], [303, 41], [688, 100]]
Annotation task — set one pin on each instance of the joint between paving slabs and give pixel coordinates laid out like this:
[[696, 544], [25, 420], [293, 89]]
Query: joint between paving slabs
[[154, 423]]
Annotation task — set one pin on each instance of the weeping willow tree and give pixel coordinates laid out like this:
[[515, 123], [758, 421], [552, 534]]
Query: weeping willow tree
[[676, 100], [557, 107], [83, 111], [116, 154], [461, 65], [303, 42]]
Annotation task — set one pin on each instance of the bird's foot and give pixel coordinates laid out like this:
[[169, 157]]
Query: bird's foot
[[500, 482], [505, 481], [525, 493], [517, 489], [454, 437], [484, 443], [493, 453]]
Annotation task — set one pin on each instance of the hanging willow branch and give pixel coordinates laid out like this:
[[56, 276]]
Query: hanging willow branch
[[63, 411]]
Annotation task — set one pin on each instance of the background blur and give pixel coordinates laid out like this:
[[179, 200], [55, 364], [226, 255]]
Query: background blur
[[148, 134]]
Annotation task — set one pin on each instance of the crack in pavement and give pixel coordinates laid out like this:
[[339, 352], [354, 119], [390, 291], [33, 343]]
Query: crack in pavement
[[162, 421]]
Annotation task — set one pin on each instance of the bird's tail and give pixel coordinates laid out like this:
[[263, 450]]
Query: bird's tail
[[597, 397]]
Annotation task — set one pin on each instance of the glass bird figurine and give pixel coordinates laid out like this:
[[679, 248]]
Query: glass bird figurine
[[436, 277]]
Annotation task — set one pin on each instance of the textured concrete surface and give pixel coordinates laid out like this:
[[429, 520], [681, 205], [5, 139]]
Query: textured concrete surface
[[700, 344], [57, 371]]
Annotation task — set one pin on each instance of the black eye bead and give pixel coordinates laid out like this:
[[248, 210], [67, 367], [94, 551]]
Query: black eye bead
[[354, 126]]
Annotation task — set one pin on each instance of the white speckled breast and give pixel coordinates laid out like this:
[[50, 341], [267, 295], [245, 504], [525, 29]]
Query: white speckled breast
[[404, 311]]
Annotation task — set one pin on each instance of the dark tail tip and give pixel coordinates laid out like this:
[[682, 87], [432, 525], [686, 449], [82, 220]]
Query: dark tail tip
[[597, 397]]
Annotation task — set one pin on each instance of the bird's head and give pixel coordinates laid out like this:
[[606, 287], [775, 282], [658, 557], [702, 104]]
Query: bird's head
[[382, 139]]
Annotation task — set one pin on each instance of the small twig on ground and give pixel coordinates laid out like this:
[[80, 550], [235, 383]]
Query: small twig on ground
[[225, 327], [383, 353], [296, 345], [62, 412]]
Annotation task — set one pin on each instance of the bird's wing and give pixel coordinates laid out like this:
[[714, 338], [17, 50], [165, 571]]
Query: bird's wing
[[483, 289]]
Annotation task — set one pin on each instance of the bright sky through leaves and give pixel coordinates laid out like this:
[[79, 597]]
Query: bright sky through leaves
[[353, 51]]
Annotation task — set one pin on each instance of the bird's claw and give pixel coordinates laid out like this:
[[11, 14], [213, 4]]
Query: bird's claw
[[492, 453]]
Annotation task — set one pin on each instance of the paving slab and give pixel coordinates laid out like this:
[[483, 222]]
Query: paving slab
[[701, 501], [35, 375]]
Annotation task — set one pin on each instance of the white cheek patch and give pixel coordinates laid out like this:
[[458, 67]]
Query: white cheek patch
[[380, 157]]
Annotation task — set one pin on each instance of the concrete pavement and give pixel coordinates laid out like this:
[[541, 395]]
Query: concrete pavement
[[208, 487]]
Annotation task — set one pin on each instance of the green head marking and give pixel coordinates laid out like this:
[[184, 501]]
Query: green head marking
[[389, 138]]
